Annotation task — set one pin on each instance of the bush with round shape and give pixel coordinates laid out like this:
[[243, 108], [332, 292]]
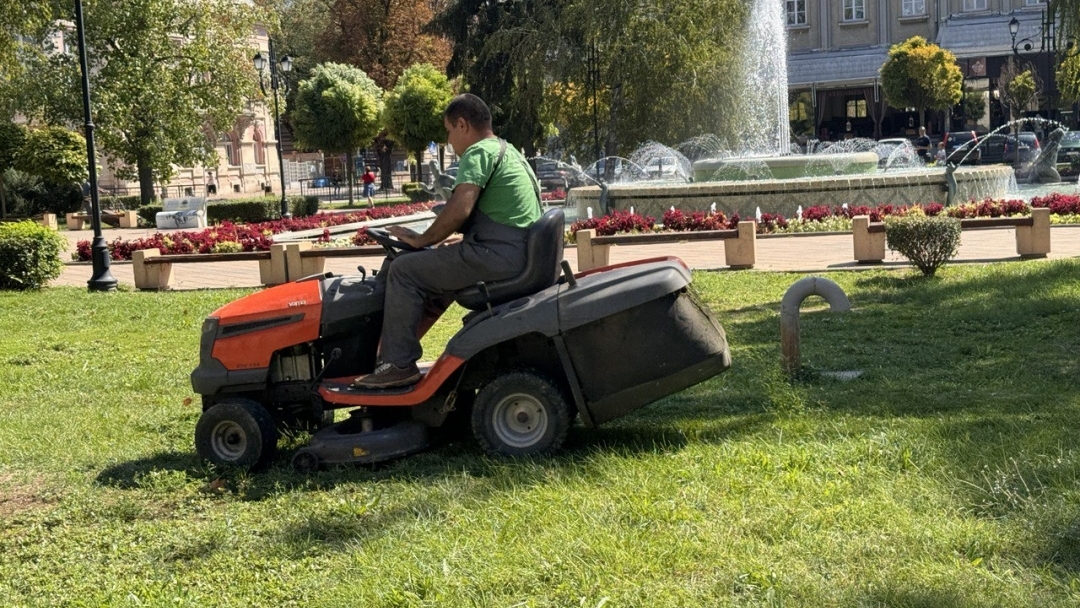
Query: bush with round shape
[[29, 255], [928, 242]]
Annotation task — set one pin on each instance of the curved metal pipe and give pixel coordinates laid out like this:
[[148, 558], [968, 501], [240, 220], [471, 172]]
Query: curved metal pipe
[[789, 314]]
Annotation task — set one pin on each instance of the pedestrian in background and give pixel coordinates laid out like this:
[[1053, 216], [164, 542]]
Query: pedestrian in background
[[368, 178]]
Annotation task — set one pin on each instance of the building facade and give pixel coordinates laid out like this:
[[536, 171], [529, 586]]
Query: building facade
[[836, 49]]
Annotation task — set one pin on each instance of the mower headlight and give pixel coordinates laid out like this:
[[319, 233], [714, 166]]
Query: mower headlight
[[209, 334]]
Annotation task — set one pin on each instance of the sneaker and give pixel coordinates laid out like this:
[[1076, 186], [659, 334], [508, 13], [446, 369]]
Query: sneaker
[[389, 375]]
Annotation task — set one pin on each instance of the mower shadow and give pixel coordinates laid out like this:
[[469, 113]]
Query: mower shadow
[[662, 428], [127, 475]]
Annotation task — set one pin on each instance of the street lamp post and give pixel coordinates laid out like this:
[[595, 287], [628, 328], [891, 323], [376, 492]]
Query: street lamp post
[[1057, 47], [101, 278], [276, 66]]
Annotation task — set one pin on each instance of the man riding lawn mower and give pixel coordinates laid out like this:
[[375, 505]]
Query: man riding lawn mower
[[538, 348]]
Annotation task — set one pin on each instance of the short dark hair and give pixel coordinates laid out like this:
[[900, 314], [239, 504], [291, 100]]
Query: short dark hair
[[471, 108]]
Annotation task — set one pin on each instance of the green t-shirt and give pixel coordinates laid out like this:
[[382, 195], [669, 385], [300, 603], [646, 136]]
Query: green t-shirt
[[509, 197]]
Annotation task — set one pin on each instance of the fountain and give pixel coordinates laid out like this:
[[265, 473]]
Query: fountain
[[765, 173]]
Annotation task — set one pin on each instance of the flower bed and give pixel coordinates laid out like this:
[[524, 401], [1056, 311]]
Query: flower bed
[[228, 237], [558, 194], [1064, 208]]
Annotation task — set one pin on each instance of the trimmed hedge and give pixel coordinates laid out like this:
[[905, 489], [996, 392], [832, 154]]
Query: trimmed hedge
[[416, 193], [241, 211], [149, 213], [29, 255], [303, 206], [245, 211], [928, 242]]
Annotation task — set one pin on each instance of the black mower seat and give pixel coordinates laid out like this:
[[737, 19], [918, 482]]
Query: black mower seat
[[544, 247]]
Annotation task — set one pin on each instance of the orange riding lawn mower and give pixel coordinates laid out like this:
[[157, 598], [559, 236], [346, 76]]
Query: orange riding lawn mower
[[534, 352]]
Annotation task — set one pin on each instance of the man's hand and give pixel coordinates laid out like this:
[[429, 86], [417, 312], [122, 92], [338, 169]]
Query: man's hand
[[405, 235]]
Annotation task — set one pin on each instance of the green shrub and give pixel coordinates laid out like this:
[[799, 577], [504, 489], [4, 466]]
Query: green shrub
[[149, 213], [29, 195], [303, 206], [241, 211], [928, 242], [29, 255], [22, 191], [60, 199], [416, 193], [246, 211]]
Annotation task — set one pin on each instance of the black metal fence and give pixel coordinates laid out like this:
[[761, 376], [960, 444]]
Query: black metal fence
[[329, 189]]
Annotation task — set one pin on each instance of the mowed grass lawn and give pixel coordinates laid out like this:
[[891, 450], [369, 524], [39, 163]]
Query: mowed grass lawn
[[945, 476]]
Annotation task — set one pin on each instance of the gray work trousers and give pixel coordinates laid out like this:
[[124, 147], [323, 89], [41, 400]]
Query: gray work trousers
[[424, 282]]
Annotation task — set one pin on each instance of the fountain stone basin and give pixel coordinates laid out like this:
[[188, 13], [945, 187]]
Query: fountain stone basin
[[784, 196], [790, 166]]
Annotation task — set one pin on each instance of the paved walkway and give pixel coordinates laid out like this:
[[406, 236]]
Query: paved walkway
[[800, 253]]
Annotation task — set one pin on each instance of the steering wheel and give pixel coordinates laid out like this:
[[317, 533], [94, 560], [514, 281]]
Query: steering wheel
[[389, 243]]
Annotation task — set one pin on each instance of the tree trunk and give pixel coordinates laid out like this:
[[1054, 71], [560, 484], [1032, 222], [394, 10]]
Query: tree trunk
[[349, 169], [146, 181], [611, 145], [3, 198], [419, 164], [386, 162]]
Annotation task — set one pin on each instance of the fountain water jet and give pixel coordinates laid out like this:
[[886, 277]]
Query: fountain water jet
[[842, 173]]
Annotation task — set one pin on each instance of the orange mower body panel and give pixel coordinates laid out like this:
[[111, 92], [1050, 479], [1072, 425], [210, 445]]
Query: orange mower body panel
[[283, 316]]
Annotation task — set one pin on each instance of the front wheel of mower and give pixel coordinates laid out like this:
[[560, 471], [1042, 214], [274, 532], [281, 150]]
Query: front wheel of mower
[[236, 432], [519, 414]]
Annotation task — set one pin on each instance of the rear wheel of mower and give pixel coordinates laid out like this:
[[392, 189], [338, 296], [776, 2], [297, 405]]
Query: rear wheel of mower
[[520, 413], [236, 432]]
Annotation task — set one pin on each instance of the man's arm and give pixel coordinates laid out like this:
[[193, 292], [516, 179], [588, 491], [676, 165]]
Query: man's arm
[[452, 216]]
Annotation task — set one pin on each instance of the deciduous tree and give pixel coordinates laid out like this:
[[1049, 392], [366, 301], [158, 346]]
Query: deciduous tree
[[383, 37], [21, 20], [1068, 72], [338, 111], [1019, 87], [661, 71], [921, 75], [12, 138], [414, 109], [166, 76], [56, 154]]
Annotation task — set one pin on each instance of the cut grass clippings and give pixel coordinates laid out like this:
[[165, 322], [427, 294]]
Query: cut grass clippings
[[946, 475]]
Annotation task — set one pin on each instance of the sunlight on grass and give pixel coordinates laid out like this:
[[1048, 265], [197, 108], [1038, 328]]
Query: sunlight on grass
[[946, 475]]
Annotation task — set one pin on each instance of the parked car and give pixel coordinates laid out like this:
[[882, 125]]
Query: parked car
[[961, 147], [885, 148], [992, 147], [1069, 156], [1029, 148], [553, 173], [598, 171], [664, 167], [322, 182]]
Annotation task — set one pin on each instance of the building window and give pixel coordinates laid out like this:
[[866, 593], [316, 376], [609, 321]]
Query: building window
[[260, 146], [796, 12], [855, 10], [232, 148], [1034, 2], [974, 5], [856, 107], [913, 8]]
